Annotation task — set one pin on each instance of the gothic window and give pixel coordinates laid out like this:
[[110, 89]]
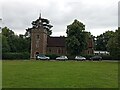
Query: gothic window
[[50, 50], [88, 52], [38, 37], [37, 44], [59, 50], [62, 51]]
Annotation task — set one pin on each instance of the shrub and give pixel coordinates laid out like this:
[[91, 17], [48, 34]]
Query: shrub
[[15, 56], [71, 57], [88, 56], [109, 57], [52, 56], [104, 57]]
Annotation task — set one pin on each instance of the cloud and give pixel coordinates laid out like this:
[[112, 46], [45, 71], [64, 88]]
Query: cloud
[[95, 14], [119, 14]]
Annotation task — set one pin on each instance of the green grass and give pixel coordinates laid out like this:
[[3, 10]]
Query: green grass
[[55, 74]]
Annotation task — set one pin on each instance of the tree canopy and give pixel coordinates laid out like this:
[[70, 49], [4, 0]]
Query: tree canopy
[[76, 40], [41, 22], [114, 44], [14, 43], [102, 40]]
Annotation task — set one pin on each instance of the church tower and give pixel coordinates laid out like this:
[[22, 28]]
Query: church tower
[[38, 41], [38, 34]]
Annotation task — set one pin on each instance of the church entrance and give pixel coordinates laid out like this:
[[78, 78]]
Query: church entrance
[[36, 54]]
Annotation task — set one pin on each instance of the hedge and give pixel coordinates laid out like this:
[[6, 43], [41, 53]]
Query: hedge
[[72, 57], [16, 56], [52, 56], [109, 57], [26, 55], [104, 57]]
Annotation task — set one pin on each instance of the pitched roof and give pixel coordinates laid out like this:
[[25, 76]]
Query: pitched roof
[[56, 42]]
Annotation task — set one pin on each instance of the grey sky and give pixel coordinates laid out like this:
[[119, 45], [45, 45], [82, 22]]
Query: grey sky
[[97, 15]]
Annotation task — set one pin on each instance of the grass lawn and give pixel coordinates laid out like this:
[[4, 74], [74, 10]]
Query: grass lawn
[[59, 74]]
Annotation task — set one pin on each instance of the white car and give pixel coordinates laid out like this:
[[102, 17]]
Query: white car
[[80, 58], [43, 57], [62, 58]]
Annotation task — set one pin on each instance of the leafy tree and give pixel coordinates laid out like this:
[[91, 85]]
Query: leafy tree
[[24, 43], [14, 43], [8, 35], [41, 22], [114, 44], [76, 40], [5, 45], [102, 40]]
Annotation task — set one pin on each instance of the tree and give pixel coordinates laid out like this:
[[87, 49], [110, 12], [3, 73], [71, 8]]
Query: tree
[[14, 43], [114, 44], [102, 40], [5, 45], [25, 43], [76, 40], [7, 32], [41, 22]]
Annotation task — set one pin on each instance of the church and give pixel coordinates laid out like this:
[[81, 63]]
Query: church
[[42, 43]]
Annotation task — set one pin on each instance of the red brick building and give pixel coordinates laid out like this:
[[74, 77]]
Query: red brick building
[[56, 45], [41, 43]]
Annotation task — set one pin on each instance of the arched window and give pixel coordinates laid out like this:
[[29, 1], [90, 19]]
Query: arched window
[[50, 50], [37, 43], [36, 55], [88, 52], [37, 37], [59, 51]]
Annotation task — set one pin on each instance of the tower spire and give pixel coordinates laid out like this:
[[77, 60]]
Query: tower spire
[[40, 15]]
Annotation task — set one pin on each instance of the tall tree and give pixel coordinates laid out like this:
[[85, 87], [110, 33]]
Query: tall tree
[[5, 45], [8, 40], [76, 38], [7, 32], [41, 22], [14, 43], [114, 44], [102, 40]]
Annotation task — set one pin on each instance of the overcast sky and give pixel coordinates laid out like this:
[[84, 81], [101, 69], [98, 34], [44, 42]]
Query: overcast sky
[[97, 15]]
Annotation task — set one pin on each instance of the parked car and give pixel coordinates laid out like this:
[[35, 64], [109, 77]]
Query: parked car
[[62, 58], [42, 57], [96, 58], [80, 58]]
